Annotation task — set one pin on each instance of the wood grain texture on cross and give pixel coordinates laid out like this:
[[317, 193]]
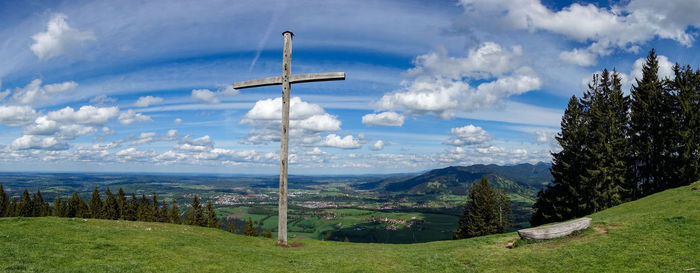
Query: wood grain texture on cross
[[286, 80]]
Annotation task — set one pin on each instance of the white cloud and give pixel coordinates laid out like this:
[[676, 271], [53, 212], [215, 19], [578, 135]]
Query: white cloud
[[59, 39], [147, 101], [34, 92], [34, 142], [13, 115], [442, 84], [543, 136], [170, 135], [130, 117], [205, 95], [143, 138], [335, 141], [102, 99], [383, 119], [4, 94], [201, 144], [377, 146], [306, 121], [468, 135], [624, 26], [578, 57], [85, 115], [177, 121]]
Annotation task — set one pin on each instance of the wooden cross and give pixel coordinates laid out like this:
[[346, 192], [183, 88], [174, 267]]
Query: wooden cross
[[286, 80]]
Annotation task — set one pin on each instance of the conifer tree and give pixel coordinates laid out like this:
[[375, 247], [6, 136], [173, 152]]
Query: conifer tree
[[250, 229], [83, 210], [24, 208], [12, 208], [74, 207], [563, 199], [195, 216], [686, 147], [4, 202], [212, 221], [59, 209], [143, 212], [163, 213], [606, 153], [122, 203], [96, 205], [229, 228], [174, 214], [111, 206], [485, 212], [131, 209], [155, 209], [40, 208]]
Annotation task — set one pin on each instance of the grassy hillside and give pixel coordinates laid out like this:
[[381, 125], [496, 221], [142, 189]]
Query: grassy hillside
[[656, 234]]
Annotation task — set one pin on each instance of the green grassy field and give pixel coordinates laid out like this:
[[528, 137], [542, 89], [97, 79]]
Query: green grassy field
[[659, 233]]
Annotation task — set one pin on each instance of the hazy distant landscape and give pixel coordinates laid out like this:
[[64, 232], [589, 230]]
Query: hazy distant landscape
[[401, 208]]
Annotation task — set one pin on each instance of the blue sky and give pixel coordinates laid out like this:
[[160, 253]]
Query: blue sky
[[133, 86]]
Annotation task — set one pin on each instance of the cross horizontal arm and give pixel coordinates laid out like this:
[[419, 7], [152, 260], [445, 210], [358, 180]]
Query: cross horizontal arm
[[298, 78], [258, 82]]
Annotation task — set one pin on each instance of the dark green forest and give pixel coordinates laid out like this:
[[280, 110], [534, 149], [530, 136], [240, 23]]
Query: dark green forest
[[618, 148]]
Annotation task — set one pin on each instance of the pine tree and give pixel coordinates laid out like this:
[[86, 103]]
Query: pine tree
[[163, 213], [606, 153], [74, 207], [83, 210], [486, 212], [195, 216], [155, 209], [174, 214], [250, 229], [686, 145], [131, 208], [111, 206], [649, 119], [4, 202], [12, 208], [212, 221], [143, 212], [122, 204], [96, 205], [563, 199], [24, 207], [229, 228], [59, 209], [40, 208]]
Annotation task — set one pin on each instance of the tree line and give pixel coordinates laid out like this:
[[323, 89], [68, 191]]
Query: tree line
[[118, 207], [618, 148]]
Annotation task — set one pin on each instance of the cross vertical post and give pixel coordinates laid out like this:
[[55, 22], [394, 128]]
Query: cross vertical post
[[284, 142], [286, 80]]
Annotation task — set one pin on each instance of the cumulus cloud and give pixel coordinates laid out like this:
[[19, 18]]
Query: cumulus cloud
[[205, 95], [306, 121], [383, 119], [377, 146], [442, 84], [59, 39], [211, 97], [468, 135], [34, 142], [102, 99], [335, 141], [201, 144], [87, 114], [13, 115], [147, 101], [130, 117], [624, 26], [143, 138], [177, 121], [34, 92]]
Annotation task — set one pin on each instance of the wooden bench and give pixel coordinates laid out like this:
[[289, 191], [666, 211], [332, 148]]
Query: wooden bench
[[554, 231]]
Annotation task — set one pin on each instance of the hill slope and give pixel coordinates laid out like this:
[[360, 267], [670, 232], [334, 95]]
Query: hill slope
[[656, 233], [522, 179]]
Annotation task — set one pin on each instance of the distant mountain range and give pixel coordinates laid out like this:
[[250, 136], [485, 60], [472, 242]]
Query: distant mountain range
[[522, 178]]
